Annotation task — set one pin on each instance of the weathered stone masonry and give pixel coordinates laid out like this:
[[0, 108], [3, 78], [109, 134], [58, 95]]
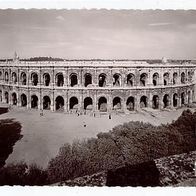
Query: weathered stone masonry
[[104, 86]]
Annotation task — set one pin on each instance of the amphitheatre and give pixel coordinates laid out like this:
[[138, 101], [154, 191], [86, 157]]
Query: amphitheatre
[[77, 98], [97, 85]]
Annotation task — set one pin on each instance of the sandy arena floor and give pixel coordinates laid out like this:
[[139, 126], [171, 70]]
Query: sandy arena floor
[[43, 136]]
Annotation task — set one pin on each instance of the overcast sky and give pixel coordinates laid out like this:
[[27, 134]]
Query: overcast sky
[[98, 34]]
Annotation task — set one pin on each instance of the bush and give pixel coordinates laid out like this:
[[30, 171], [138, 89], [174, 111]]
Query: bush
[[22, 174], [9, 135]]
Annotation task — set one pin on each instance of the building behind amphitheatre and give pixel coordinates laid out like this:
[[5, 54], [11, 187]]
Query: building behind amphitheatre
[[97, 85]]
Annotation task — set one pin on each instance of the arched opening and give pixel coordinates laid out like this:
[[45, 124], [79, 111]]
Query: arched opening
[[183, 79], [73, 103], [166, 78], [117, 103], [102, 104], [182, 99], [14, 99], [34, 79], [23, 78], [88, 103], [46, 103], [143, 79], [143, 102], [190, 76], [116, 79], [6, 97], [14, 77], [34, 101], [166, 101], [0, 96], [46, 77], [0, 75], [59, 79], [155, 102], [189, 97], [130, 103], [6, 77], [175, 100], [155, 79], [88, 79], [59, 103], [175, 76], [73, 79], [102, 80], [23, 100], [130, 79]]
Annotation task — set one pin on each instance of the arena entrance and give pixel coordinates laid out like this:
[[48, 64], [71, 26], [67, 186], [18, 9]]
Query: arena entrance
[[88, 79], [73, 103], [102, 104], [130, 103], [155, 102], [23, 100], [14, 99], [166, 101], [88, 103], [46, 103], [117, 103], [143, 102], [59, 103], [34, 101], [175, 100]]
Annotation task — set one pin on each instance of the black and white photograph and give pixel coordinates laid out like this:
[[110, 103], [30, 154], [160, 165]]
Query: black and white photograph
[[98, 97]]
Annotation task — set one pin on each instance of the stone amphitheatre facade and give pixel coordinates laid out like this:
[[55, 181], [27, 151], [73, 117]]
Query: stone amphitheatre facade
[[97, 85]]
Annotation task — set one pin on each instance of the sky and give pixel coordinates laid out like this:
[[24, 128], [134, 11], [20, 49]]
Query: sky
[[103, 34]]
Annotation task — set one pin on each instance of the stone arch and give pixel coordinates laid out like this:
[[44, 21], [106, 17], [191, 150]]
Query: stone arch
[[59, 79], [87, 79], [175, 100], [102, 80], [0, 95], [130, 103], [23, 77], [14, 99], [175, 77], [189, 97], [183, 78], [0, 75], [102, 104], [166, 78], [182, 95], [6, 76], [59, 103], [155, 79], [34, 79], [73, 79], [116, 79], [130, 79], [6, 95], [116, 103], [143, 102], [166, 101], [190, 76], [46, 79], [88, 103], [155, 102], [14, 77], [23, 100], [73, 103], [46, 103], [34, 101], [143, 79]]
